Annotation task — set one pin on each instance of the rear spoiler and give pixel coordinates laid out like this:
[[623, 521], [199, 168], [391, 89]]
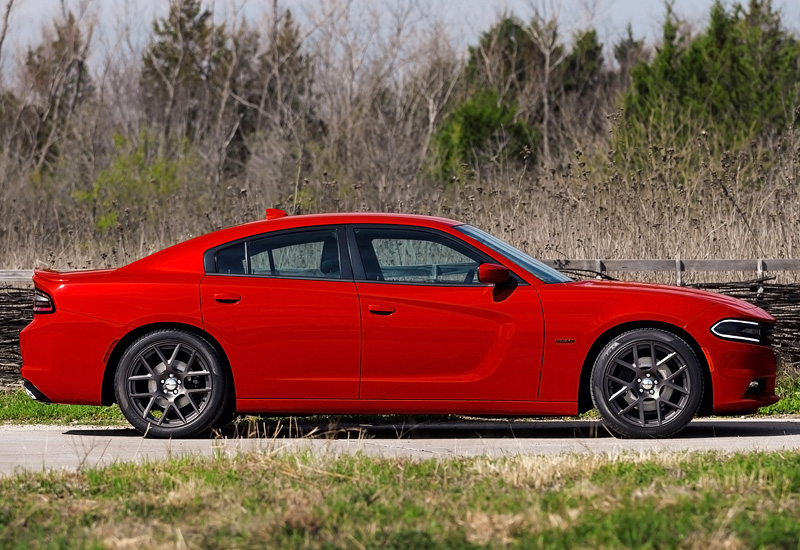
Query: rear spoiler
[[50, 275]]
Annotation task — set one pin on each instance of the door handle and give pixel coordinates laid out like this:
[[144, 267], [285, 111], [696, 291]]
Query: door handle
[[226, 297], [380, 309]]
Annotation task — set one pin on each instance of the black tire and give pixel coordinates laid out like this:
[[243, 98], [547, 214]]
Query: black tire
[[228, 415], [647, 383], [170, 383]]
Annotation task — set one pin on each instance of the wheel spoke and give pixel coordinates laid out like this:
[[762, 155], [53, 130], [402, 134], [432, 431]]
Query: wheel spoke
[[161, 356], [141, 395], [628, 408], [641, 412], [658, 412], [147, 366], [653, 356], [620, 392], [618, 380], [636, 354], [149, 407], [667, 358], [140, 377], [178, 410], [164, 414], [676, 387], [190, 362], [674, 374], [622, 363], [675, 406], [192, 403], [174, 354]]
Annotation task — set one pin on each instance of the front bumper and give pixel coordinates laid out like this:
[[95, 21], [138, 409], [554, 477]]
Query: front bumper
[[743, 379], [742, 373]]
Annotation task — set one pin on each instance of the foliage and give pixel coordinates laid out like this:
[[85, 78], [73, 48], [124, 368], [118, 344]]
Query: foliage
[[737, 80], [583, 68], [505, 59], [544, 81], [480, 129], [139, 175], [180, 67], [628, 53], [788, 389]]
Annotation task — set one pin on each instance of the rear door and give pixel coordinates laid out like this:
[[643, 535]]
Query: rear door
[[285, 310], [431, 330]]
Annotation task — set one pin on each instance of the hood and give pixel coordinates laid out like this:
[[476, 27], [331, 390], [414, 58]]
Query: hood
[[665, 291]]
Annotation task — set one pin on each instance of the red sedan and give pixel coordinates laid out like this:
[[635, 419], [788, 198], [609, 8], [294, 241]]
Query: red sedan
[[385, 313]]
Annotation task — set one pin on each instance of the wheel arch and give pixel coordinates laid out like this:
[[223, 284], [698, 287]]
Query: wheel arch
[[584, 395], [114, 357]]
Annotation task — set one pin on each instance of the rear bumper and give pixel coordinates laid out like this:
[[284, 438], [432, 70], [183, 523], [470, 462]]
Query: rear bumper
[[63, 357], [34, 393]]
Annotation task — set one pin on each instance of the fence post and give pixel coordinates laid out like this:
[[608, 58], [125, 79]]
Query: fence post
[[678, 270]]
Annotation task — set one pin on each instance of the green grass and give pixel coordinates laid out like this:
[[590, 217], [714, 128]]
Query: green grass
[[264, 500], [788, 388], [17, 408]]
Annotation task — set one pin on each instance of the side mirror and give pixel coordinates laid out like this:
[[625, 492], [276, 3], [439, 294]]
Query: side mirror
[[493, 273]]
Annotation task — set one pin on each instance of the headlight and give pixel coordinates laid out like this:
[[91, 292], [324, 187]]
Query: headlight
[[743, 331]]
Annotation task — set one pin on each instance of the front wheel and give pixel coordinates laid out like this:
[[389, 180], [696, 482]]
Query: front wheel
[[170, 383], [647, 383]]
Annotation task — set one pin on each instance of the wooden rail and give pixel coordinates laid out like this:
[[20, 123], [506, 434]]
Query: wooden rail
[[677, 266], [15, 275]]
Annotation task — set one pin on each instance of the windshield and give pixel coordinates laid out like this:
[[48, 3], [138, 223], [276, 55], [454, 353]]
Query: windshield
[[534, 267]]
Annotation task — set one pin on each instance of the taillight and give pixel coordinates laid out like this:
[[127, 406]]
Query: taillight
[[42, 302]]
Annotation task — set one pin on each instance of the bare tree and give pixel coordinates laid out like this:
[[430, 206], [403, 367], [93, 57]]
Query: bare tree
[[544, 32], [4, 32]]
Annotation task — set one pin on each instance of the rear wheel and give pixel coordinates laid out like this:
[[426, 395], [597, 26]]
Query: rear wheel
[[170, 383], [647, 383]]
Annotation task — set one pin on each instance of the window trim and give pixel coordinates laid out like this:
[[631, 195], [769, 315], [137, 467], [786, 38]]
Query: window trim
[[345, 267], [359, 274]]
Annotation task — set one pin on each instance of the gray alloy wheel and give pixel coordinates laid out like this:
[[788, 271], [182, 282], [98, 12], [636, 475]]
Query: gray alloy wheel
[[169, 383], [647, 383]]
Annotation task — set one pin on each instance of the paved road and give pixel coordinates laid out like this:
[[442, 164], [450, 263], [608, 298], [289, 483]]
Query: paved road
[[50, 447]]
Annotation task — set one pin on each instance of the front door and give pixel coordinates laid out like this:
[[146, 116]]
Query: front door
[[432, 331]]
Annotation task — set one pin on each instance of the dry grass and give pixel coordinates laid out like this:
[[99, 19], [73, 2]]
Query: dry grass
[[319, 501], [730, 208]]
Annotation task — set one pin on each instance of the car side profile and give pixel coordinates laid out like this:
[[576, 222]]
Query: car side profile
[[390, 314]]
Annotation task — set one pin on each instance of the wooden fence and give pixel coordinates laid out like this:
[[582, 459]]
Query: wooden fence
[[759, 267], [781, 300]]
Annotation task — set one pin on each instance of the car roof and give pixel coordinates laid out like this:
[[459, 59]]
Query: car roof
[[310, 220]]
